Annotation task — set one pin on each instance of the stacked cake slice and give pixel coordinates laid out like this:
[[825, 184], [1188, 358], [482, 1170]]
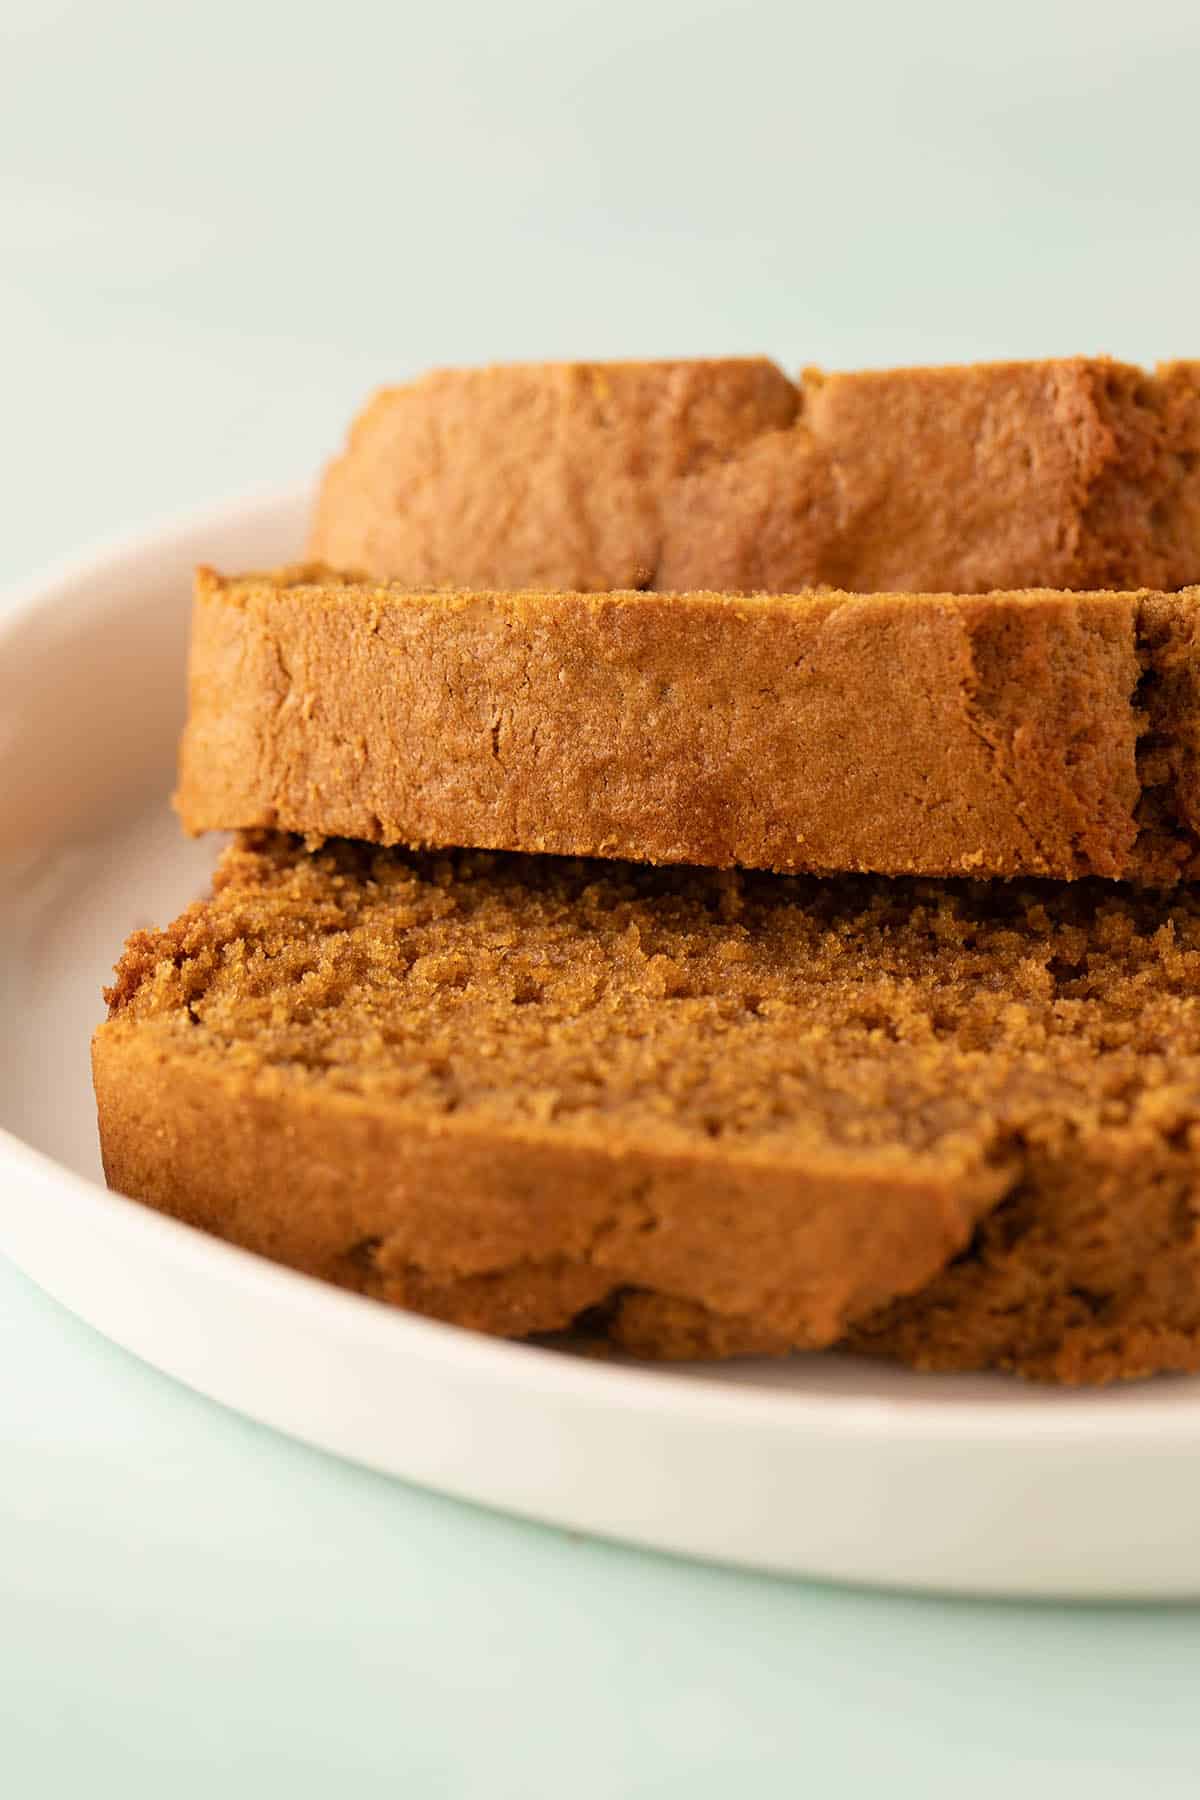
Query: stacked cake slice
[[465, 1026]]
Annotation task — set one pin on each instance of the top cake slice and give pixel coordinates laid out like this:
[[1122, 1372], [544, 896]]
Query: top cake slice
[[999, 734], [1068, 473]]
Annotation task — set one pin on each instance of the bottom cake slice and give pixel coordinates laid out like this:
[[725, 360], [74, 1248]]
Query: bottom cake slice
[[704, 1113]]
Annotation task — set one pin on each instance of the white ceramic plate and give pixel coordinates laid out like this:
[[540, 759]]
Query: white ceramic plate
[[821, 1465]]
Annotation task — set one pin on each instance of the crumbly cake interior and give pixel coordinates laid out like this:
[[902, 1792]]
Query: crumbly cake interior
[[1041, 1038], [883, 1016]]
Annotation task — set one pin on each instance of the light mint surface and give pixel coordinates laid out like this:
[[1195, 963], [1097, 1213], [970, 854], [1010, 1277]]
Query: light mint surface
[[190, 1606], [220, 225]]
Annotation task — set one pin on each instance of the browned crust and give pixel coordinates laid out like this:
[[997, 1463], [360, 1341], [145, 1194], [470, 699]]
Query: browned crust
[[1085, 1272], [517, 1232], [1000, 734], [545, 475], [1077, 472]]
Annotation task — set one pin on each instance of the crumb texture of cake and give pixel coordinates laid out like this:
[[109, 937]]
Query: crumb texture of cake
[[1041, 733], [1074, 472], [708, 1114], [504, 1090]]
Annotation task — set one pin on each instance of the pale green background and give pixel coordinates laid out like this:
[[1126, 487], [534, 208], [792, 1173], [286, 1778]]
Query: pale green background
[[219, 225]]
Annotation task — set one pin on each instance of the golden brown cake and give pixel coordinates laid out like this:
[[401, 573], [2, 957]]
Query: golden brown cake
[[1069, 473], [549, 475], [505, 1090], [705, 1113], [1001, 734]]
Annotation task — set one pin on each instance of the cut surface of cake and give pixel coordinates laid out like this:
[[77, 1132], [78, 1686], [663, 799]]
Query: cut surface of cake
[[703, 1113]]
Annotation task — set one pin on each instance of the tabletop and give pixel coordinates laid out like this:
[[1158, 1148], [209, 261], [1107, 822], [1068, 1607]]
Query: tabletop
[[222, 227]]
